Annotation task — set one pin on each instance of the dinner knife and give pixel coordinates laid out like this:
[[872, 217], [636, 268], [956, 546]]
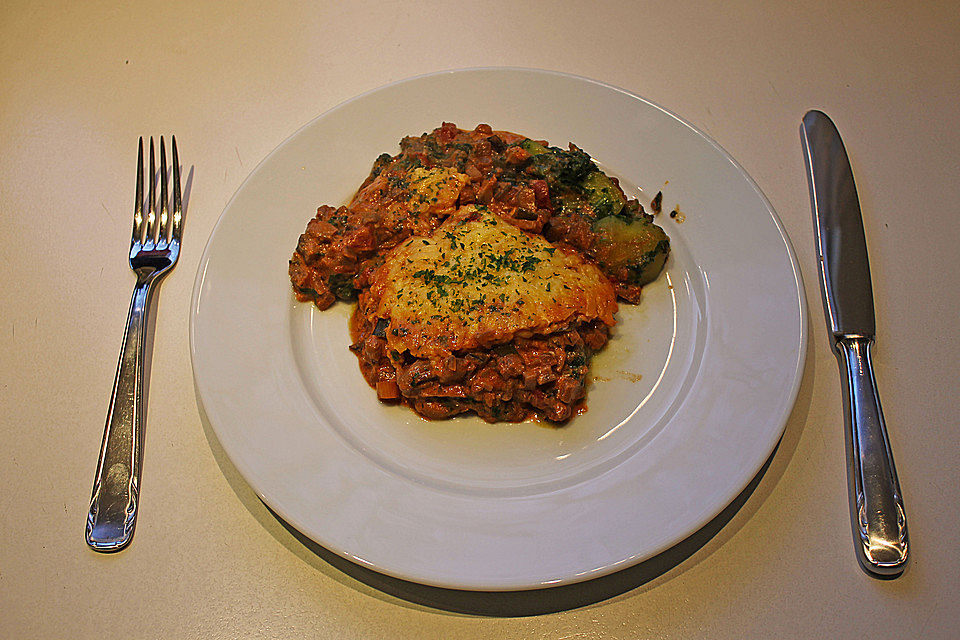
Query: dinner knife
[[879, 520]]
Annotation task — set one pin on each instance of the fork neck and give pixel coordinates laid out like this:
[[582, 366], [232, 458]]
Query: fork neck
[[145, 275]]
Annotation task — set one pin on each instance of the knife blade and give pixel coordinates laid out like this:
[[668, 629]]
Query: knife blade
[[877, 514]]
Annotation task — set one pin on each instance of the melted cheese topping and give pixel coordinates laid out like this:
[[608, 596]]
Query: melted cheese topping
[[417, 199], [435, 187], [478, 281]]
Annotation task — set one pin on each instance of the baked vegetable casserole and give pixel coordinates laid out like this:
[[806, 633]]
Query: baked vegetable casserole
[[486, 267]]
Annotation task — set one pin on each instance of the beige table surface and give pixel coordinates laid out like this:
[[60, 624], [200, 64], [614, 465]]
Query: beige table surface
[[80, 81]]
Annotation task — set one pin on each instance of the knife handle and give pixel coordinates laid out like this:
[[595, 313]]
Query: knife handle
[[879, 520]]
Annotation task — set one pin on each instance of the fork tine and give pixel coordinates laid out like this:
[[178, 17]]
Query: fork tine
[[162, 231], [152, 204], [177, 204], [137, 235]]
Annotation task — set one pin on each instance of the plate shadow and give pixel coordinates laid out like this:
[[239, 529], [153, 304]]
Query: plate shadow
[[519, 603], [533, 602], [523, 602]]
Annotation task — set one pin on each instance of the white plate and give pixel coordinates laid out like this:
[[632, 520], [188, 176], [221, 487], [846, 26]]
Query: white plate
[[689, 398]]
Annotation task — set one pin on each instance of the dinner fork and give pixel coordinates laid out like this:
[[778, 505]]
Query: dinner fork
[[154, 249]]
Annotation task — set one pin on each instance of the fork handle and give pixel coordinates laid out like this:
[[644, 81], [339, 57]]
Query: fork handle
[[116, 487]]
